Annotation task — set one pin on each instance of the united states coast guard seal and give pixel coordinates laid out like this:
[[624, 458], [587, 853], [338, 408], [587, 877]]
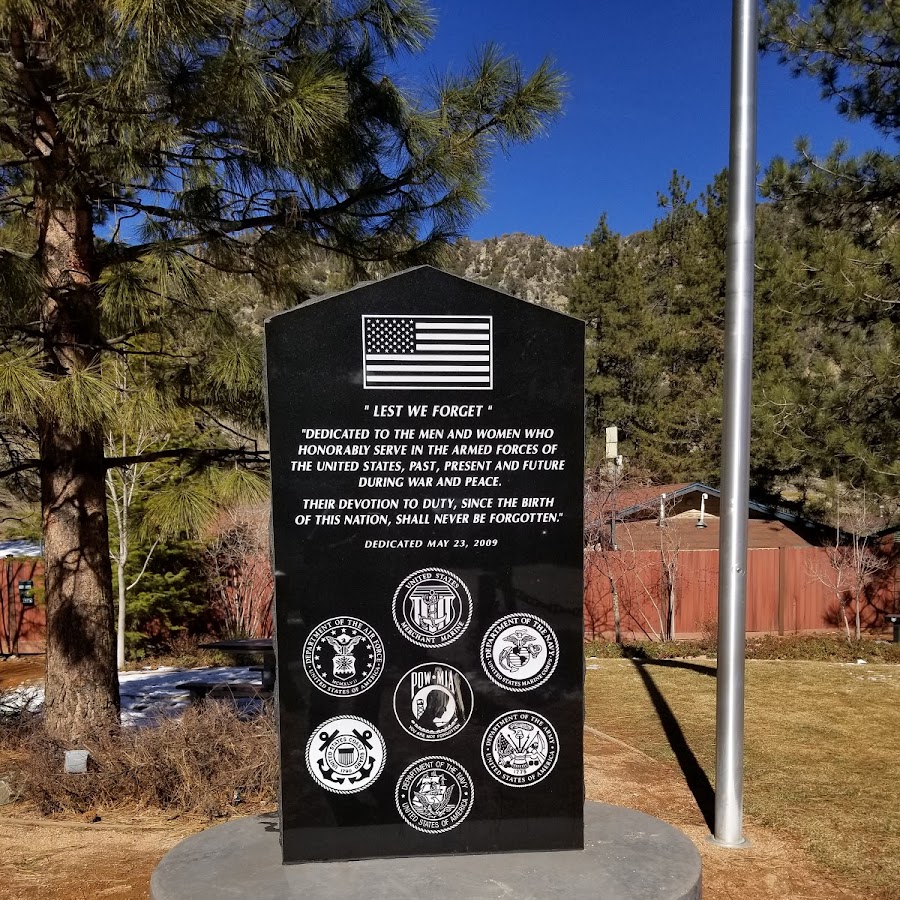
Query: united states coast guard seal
[[434, 794], [519, 652], [520, 748], [432, 607], [345, 754], [343, 656]]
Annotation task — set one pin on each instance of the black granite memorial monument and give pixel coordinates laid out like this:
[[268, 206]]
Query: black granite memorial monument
[[427, 453]]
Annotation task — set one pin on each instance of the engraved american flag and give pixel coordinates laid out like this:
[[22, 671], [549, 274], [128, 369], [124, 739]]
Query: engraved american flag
[[427, 352]]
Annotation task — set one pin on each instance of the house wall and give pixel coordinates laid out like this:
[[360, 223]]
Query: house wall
[[785, 593], [23, 629]]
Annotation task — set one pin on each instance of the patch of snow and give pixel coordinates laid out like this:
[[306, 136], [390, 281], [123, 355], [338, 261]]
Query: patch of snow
[[26, 697], [147, 695]]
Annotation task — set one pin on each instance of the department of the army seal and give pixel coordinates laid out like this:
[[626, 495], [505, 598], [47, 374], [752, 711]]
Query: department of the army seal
[[345, 754], [520, 748], [434, 794], [519, 652], [432, 607], [433, 701], [343, 656]]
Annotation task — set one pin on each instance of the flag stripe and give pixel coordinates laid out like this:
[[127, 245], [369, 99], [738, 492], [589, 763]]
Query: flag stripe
[[422, 352], [475, 339], [412, 368], [428, 357], [443, 378], [438, 326], [446, 347]]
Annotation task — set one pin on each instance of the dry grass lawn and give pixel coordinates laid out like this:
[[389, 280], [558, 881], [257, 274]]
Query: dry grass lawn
[[822, 761], [821, 772]]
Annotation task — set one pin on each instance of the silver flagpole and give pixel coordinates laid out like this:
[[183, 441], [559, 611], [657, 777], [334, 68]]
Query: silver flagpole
[[736, 429]]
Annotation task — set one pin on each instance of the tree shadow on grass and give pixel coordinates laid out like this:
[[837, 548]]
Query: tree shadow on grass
[[696, 778]]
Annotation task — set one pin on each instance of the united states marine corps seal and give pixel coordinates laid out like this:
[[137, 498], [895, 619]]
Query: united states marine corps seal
[[432, 607], [345, 754], [343, 656], [520, 748], [519, 652], [434, 794], [433, 702]]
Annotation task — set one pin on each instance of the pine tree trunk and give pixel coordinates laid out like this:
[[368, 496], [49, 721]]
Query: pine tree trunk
[[82, 693]]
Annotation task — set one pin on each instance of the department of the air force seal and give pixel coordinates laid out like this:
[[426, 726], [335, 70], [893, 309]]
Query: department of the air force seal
[[434, 794], [343, 656], [520, 748], [432, 607], [433, 702], [345, 754], [519, 652]]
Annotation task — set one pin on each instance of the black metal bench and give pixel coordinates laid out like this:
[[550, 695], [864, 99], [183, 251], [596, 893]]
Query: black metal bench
[[242, 646], [225, 690]]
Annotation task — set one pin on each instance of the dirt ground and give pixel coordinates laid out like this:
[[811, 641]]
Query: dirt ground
[[18, 670], [772, 868], [78, 860]]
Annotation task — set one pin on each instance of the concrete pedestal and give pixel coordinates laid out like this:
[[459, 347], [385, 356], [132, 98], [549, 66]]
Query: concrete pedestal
[[627, 856]]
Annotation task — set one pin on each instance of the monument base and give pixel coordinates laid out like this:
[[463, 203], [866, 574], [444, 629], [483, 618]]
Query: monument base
[[627, 856]]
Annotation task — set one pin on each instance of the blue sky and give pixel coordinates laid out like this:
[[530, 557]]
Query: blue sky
[[648, 93]]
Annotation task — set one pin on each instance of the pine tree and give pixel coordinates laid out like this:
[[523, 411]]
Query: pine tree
[[778, 455], [598, 294], [622, 375], [143, 145], [170, 598], [851, 47], [684, 278], [833, 287], [654, 305], [841, 276]]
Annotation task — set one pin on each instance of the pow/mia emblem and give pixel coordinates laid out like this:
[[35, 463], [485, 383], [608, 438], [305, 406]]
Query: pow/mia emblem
[[432, 607], [343, 656], [433, 702], [520, 748], [345, 754], [519, 652], [434, 794]]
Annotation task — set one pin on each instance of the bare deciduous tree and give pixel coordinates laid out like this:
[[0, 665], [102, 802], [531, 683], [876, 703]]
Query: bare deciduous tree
[[659, 585], [239, 570], [600, 493], [137, 430], [852, 564], [610, 552], [669, 551]]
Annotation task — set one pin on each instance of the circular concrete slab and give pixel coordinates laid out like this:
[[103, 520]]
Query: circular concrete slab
[[627, 856]]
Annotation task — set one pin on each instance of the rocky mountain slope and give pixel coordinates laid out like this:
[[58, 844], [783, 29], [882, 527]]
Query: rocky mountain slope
[[524, 265]]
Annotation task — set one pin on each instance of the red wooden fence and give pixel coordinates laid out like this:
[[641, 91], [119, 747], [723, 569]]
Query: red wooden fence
[[785, 593], [784, 596]]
